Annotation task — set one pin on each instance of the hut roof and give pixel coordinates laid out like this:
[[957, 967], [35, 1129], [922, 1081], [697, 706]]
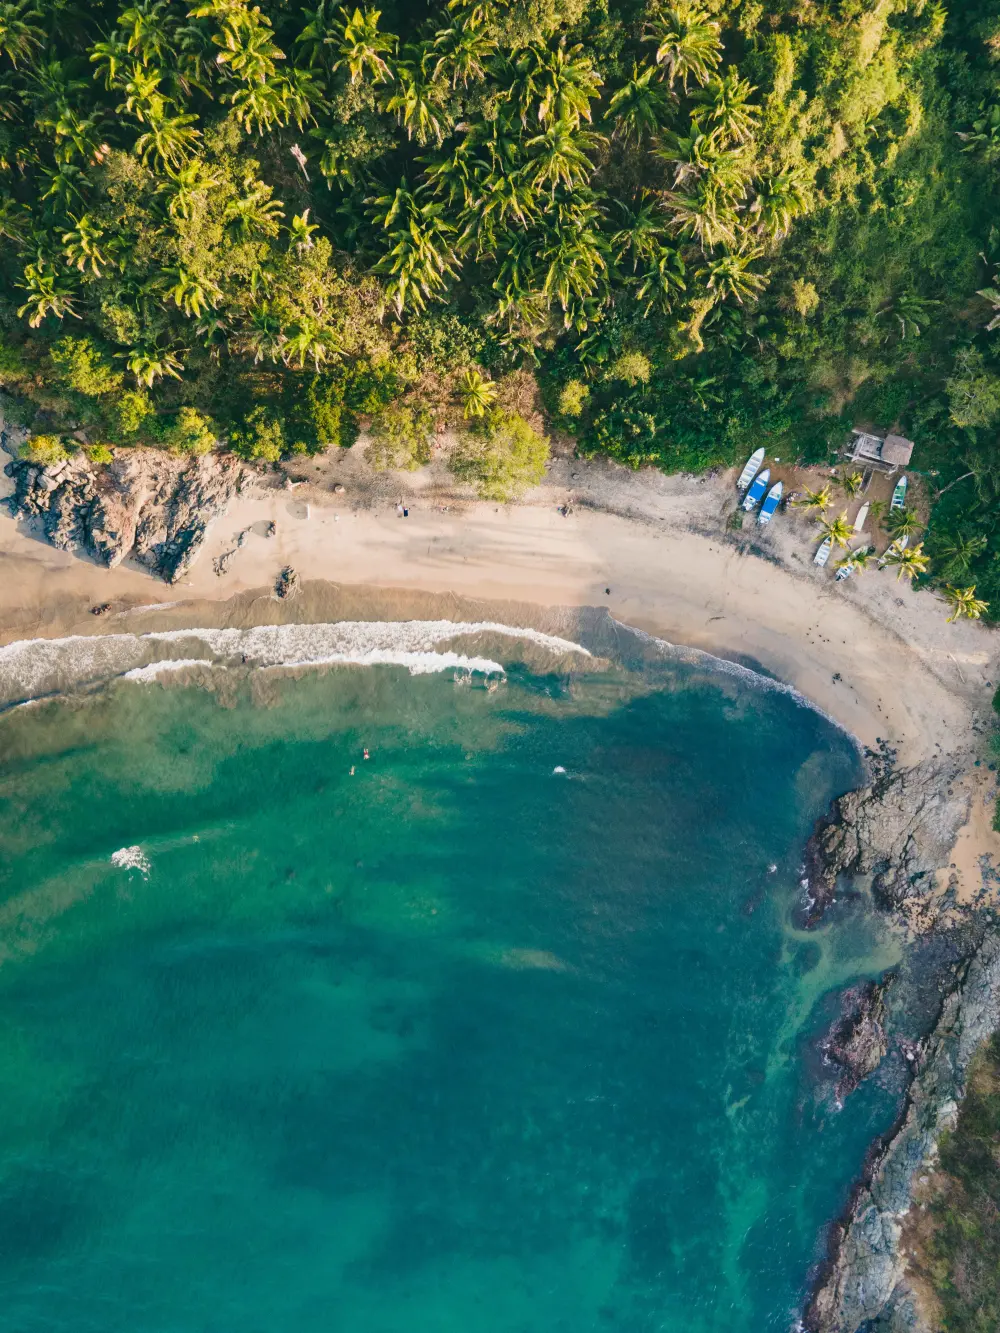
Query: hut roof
[[897, 450]]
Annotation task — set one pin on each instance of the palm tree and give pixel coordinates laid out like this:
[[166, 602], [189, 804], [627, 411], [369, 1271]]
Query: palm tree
[[477, 394], [730, 275], [307, 337], [813, 502], [851, 483], [964, 602], [959, 552], [187, 186], [417, 103], [908, 560], [727, 107], [300, 233], [190, 292], [361, 45], [49, 293], [661, 280], [857, 561], [20, 34], [558, 158], [837, 529], [553, 85], [422, 258], [702, 215], [169, 139], [903, 523], [148, 364], [780, 200], [253, 213], [460, 53], [639, 107], [687, 42], [149, 29], [639, 239], [82, 245]]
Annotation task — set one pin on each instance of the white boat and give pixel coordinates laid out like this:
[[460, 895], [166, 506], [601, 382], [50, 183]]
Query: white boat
[[756, 492], [859, 522], [823, 553], [900, 544], [899, 494], [770, 504], [753, 466]]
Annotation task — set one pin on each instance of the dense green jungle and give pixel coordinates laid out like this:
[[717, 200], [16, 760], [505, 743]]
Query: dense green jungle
[[672, 232]]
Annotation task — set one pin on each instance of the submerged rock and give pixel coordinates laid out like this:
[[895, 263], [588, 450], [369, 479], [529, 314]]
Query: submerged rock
[[856, 1041], [145, 504]]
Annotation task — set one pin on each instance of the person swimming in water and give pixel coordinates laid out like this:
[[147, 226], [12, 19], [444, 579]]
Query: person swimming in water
[[366, 752]]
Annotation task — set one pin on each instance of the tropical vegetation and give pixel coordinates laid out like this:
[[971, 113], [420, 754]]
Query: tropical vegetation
[[696, 225]]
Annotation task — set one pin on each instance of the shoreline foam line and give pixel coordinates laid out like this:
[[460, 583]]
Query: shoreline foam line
[[33, 667], [727, 667]]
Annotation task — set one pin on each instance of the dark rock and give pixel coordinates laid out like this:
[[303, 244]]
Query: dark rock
[[900, 831], [145, 504], [856, 1041], [286, 582]]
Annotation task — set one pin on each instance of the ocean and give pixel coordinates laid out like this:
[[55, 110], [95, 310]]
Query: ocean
[[507, 1026]]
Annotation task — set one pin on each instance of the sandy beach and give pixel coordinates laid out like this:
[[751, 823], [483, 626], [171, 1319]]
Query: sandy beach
[[655, 551]]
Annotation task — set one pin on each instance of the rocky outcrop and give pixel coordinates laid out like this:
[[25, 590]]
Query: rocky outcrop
[[856, 1042], [865, 1283], [899, 831], [145, 504]]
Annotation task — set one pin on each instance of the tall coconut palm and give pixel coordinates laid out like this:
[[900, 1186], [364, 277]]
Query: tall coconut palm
[[169, 139], [422, 259], [903, 523], [730, 275], [958, 552], [49, 292], [82, 245], [727, 109], [964, 603], [559, 158], [838, 529], [418, 104], [361, 46], [687, 42], [780, 200], [477, 394], [850, 483], [459, 54], [908, 560], [857, 561], [148, 364], [21, 33], [814, 502], [553, 85], [639, 107]]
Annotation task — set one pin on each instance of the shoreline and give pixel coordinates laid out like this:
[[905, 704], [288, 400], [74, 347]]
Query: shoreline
[[652, 554]]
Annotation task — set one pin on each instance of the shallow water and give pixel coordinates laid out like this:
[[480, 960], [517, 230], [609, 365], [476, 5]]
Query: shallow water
[[452, 1042]]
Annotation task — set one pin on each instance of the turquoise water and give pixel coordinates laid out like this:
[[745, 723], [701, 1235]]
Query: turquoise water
[[454, 1042]]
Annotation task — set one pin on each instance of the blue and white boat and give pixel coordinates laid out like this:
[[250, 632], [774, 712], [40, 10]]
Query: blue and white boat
[[770, 504], [753, 466], [756, 492]]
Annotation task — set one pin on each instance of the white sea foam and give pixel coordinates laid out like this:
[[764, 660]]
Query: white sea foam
[[156, 669], [131, 858], [36, 667]]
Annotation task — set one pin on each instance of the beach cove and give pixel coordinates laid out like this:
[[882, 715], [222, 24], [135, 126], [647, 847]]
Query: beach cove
[[878, 661]]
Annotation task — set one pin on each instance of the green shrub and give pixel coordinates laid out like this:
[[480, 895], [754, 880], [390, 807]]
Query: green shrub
[[99, 454], [127, 414], [401, 439], [573, 398], [631, 367], [44, 449], [191, 432], [503, 455], [261, 438], [83, 367]]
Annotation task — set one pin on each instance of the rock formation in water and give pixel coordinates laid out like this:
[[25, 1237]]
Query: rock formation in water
[[856, 1042], [899, 831], [866, 1284], [147, 504]]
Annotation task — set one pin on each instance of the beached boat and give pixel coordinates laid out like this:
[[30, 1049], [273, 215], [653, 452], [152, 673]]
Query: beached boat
[[823, 553], [756, 492], [859, 522], [900, 544], [899, 494], [753, 466], [770, 504], [847, 568]]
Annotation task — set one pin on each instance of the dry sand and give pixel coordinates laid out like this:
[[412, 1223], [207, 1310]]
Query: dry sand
[[875, 655]]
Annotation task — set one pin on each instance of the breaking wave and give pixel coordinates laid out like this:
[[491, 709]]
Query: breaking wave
[[34, 668]]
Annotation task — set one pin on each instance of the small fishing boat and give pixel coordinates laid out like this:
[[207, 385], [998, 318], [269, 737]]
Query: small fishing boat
[[756, 492], [770, 504], [823, 553], [847, 569], [859, 522], [899, 494], [750, 471], [900, 544]]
